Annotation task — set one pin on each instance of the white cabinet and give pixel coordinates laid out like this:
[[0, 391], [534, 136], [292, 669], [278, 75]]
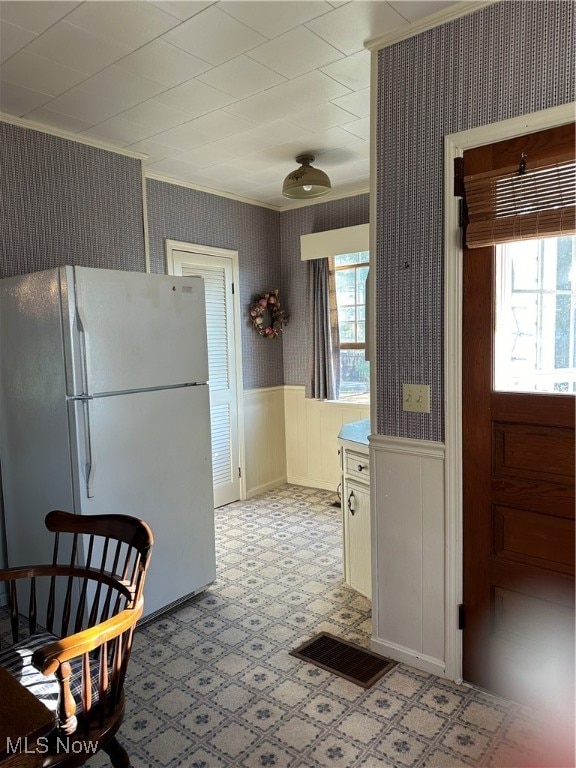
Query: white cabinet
[[356, 516]]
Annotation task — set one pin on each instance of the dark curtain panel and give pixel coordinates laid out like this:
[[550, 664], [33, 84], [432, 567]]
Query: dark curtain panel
[[323, 381]]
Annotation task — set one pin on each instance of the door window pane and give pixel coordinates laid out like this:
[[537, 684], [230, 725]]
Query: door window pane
[[535, 335]]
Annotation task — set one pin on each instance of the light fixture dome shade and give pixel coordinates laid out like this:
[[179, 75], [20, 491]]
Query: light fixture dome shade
[[306, 182]]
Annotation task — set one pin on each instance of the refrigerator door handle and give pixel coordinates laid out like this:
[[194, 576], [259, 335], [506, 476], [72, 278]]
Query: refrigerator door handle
[[84, 346], [90, 467]]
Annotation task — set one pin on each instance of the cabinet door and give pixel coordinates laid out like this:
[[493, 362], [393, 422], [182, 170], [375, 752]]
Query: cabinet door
[[357, 527]]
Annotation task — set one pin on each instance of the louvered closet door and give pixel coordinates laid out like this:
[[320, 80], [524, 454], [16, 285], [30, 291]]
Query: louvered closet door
[[217, 274]]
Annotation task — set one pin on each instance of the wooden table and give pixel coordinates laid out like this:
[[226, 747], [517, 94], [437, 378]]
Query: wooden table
[[22, 717]]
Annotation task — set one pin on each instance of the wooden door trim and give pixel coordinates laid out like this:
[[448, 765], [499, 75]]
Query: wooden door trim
[[207, 250], [454, 146]]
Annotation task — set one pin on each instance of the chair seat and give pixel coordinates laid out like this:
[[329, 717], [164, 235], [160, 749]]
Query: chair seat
[[17, 660]]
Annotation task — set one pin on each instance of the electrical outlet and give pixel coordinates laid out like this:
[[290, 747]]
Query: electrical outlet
[[416, 398]]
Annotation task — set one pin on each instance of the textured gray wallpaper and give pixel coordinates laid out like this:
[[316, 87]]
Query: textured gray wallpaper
[[502, 61], [302, 221], [179, 213], [67, 203]]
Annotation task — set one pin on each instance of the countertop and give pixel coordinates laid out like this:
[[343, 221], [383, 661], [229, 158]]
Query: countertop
[[355, 432]]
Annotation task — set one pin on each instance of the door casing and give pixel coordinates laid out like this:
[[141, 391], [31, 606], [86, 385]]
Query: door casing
[[454, 146], [205, 250]]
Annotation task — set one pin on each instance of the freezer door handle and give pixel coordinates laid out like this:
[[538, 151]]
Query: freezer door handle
[[84, 345], [90, 467]]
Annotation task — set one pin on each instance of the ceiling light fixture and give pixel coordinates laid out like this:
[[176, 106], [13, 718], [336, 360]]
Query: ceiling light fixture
[[306, 181]]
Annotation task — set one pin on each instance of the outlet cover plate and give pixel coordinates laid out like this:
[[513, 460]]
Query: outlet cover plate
[[416, 398]]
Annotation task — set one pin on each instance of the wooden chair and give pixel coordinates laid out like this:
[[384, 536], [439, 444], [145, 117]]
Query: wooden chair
[[76, 653]]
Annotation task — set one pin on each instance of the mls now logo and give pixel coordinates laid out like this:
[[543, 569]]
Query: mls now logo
[[40, 746]]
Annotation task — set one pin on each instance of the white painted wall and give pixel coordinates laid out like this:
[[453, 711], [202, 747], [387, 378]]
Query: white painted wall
[[291, 439], [265, 439], [312, 428], [408, 542]]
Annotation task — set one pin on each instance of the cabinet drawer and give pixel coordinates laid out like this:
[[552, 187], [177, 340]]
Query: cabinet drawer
[[357, 465]]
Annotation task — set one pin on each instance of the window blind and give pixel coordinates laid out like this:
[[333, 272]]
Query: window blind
[[505, 205]]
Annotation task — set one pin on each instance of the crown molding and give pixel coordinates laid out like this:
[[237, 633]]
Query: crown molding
[[429, 22], [22, 122]]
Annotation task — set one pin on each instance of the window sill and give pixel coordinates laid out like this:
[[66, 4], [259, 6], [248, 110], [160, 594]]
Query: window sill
[[361, 400]]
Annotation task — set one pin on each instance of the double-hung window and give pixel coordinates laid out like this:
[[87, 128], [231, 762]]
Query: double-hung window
[[351, 271]]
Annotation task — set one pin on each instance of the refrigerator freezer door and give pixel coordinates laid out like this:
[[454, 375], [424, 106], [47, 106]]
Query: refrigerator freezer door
[[147, 454], [134, 331]]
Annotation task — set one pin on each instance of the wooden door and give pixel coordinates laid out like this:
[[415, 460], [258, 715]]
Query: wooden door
[[518, 486]]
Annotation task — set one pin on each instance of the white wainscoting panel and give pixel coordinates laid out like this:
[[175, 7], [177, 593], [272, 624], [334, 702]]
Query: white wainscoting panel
[[265, 439], [408, 558], [312, 428]]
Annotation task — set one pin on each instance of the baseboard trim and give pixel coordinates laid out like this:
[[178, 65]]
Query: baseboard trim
[[409, 656], [257, 490], [310, 482]]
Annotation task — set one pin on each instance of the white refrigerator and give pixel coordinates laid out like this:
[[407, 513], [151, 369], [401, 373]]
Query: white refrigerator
[[104, 408]]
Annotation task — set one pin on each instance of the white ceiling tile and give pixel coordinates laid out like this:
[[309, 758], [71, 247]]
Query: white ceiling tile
[[359, 128], [332, 138], [182, 137], [151, 148], [259, 178], [414, 10], [214, 36], [241, 77], [105, 95], [57, 120], [157, 115], [279, 132], [12, 39], [80, 105], [124, 88], [240, 187], [348, 27], [337, 158], [170, 166], [77, 48], [309, 90], [262, 108], [195, 98], [284, 153], [130, 24], [222, 150], [295, 53], [118, 131], [183, 9], [39, 74], [16, 100], [163, 63], [217, 172], [256, 165], [35, 15], [321, 117], [357, 102], [353, 71], [219, 125], [273, 19], [203, 156]]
